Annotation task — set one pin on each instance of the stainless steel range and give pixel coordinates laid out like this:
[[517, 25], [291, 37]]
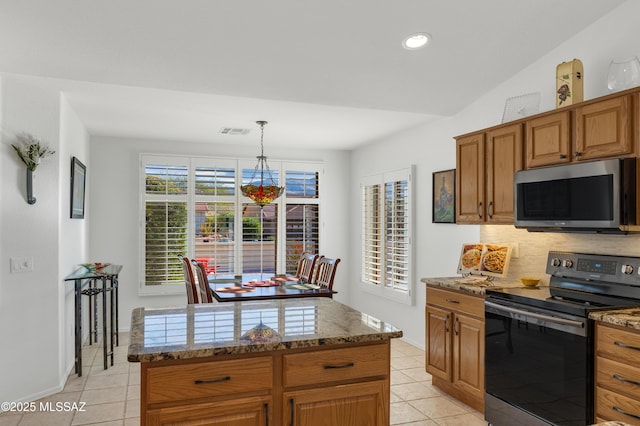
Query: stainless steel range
[[539, 341]]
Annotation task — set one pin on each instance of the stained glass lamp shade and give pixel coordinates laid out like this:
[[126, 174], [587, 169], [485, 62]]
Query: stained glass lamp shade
[[261, 192]]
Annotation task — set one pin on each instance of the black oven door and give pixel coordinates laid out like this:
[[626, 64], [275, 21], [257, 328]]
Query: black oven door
[[538, 365]]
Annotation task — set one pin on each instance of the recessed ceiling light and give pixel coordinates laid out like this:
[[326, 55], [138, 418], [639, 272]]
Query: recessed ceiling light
[[416, 41]]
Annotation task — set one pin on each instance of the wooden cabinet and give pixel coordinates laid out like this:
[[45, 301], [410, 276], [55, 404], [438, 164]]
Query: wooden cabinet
[[346, 383], [604, 129], [548, 140], [233, 412], [617, 374], [359, 404], [455, 344], [588, 132], [485, 165]]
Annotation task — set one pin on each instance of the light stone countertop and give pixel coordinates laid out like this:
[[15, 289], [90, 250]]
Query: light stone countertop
[[215, 329], [475, 288], [629, 318]]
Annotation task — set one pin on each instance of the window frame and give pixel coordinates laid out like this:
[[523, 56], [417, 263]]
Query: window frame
[[384, 288], [239, 164]]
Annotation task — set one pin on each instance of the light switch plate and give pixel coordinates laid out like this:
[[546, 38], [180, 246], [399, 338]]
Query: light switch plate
[[21, 264]]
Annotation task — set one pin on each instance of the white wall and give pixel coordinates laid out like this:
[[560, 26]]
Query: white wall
[[29, 305], [36, 308], [431, 148], [114, 206], [73, 243]]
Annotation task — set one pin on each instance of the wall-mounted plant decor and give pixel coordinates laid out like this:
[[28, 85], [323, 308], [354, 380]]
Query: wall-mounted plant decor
[[31, 151]]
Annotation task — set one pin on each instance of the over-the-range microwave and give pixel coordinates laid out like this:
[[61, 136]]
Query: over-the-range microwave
[[595, 196]]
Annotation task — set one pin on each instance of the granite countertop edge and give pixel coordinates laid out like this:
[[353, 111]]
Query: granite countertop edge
[[477, 289], [627, 318], [259, 347]]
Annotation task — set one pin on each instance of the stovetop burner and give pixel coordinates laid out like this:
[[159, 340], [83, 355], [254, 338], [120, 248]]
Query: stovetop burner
[[581, 283]]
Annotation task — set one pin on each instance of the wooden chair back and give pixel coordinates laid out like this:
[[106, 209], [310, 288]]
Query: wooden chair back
[[326, 272], [306, 266], [189, 280], [204, 294]]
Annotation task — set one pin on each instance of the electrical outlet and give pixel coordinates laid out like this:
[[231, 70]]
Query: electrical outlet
[[21, 264]]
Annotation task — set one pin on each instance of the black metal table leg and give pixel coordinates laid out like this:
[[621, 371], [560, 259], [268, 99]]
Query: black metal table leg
[[114, 282], [78, 326], [104, 321], [111, 319]]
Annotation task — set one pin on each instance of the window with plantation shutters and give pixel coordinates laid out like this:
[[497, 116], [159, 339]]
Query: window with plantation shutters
[[166, 221], [387, 234], [193, 207], [302, 214]]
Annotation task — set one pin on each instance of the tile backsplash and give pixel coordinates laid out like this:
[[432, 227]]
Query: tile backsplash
[[533, 247]]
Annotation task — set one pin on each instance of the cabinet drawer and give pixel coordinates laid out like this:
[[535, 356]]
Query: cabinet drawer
[[618, 344], [335, 365], [467, 304], [205, 379], [617, 376], [613, 406]]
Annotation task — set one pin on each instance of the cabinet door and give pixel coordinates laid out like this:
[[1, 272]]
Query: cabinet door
[[468, 355], [603, 129], [470, 179], [358, 404], [251, 411], [548, 140], [503, 159], [438, 342]]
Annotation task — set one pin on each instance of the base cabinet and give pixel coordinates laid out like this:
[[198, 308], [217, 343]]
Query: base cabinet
[[360, 404], [338, 385], [237, 412], [455, 344], [617, 374]]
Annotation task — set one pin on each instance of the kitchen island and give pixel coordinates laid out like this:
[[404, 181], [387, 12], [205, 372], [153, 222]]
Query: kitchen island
[[300, 361]]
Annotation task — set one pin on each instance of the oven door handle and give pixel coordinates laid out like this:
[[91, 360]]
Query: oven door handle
[[556, 320]]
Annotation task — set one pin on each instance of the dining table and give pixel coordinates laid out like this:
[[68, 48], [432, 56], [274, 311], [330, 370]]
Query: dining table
[[254, 287]]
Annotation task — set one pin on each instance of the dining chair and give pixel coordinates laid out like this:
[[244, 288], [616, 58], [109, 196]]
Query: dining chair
[[203, 294], [325, 272], [306, 266], [189, 280]]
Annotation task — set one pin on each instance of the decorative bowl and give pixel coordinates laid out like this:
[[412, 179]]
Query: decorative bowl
[[530, 281]]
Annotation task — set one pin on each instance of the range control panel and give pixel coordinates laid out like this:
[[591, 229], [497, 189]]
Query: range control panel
[[594, 267]]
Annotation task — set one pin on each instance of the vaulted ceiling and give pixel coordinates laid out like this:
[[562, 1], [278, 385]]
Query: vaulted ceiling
[[328, 73]]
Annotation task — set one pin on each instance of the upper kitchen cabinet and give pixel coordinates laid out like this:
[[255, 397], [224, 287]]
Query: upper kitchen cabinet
[[470, 179], [548, 140], [587, 131], [604, 129], [485, 165]]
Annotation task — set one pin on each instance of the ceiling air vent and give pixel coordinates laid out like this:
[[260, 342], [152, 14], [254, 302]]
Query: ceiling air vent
[[234, 131]]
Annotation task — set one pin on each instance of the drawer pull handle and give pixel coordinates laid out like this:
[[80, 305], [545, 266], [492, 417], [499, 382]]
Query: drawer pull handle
[[626, 413], [453, 301], [456, 326], [622, 379], [218, 380], [345, 365], [490, 210], [480, 209], [446, 323], [266, 414], [622, 345]]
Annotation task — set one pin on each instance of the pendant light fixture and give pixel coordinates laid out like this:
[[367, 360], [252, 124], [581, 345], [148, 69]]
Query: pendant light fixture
[[261, 193]]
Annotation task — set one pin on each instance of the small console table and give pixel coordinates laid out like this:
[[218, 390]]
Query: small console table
[[108, 275]]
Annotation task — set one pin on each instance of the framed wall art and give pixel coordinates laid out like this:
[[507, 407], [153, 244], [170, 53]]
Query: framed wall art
[[78, 181], [444, 196]]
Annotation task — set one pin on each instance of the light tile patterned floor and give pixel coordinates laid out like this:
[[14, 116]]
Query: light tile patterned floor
[[112, 395]]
